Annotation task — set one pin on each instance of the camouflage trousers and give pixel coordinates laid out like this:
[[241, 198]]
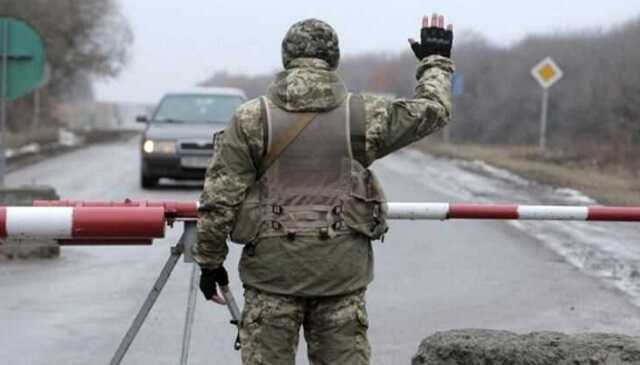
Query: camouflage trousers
[[335, 329]]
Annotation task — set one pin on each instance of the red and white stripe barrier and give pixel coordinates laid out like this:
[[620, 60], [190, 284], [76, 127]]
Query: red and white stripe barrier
[[84, 224], [441, 211], [172, 209], [416, 211], [136, 222]]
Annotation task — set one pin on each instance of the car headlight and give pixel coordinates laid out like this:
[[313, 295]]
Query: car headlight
[[163, 147]]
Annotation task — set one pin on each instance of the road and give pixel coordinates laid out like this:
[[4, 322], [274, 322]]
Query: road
[[430, 276]]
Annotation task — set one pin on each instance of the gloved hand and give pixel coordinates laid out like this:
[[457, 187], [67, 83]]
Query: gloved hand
[[209, 279], [434, 39]]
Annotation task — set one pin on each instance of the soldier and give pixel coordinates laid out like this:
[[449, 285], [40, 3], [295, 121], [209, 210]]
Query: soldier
[[290, 180]]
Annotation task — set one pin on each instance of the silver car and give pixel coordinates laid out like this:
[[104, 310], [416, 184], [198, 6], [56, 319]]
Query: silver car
[[178, 140]]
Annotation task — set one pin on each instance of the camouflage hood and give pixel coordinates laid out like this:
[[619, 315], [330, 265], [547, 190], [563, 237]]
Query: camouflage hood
[[308, 85]]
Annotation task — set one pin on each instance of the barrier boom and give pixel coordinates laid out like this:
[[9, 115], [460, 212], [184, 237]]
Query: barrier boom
[[419, 211], [441, 211], [139, 222], [172, 209], [84, 225]]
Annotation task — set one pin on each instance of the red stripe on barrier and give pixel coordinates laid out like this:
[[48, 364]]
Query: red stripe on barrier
[[103, 242], [3, 222], [177, 209], [472, 211], [118, 222], [171, 209], [620, 214]]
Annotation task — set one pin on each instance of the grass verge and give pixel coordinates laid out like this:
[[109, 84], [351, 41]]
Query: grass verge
[[609, 184], [41, 136]]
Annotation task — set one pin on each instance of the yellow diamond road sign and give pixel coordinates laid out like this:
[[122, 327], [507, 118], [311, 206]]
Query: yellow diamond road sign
[[546, 72]]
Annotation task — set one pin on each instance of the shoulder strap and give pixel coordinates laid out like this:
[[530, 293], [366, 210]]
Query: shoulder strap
[[264, 117], [357, 121], [279, 146]]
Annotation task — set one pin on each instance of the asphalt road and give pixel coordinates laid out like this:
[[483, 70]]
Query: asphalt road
[[430, 276]]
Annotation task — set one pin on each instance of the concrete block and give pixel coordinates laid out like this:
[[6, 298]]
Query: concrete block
[[490, 347]]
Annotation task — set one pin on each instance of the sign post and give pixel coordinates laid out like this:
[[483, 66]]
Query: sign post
[[22, 66], [4, 51], [547, 73], [457, 90]]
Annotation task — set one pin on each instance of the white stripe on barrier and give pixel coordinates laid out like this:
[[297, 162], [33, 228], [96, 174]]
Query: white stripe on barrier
[[418, 210], [35, 222], [540, 212]]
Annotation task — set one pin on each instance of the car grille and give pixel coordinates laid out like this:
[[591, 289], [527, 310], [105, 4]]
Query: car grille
[[192, 146]]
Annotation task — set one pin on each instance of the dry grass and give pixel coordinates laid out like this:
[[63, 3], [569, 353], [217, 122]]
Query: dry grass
[[41, 136], [610, 184]]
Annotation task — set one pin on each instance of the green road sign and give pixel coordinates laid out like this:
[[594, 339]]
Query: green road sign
[[21, 58], [22, 67]]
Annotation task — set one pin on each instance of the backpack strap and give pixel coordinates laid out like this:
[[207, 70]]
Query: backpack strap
[[357, 126], [266, 126]]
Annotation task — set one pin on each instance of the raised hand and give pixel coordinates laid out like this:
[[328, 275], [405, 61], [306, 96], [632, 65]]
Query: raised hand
[[434, 39]]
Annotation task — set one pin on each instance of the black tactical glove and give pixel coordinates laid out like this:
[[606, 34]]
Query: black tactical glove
[[209, 279], [434, 40]]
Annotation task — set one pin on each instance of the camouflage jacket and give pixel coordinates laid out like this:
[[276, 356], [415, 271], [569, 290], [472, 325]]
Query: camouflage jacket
[[309, 85]]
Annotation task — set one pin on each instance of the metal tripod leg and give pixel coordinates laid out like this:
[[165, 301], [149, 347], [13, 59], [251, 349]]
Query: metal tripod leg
[[188, 322], [176, 251], [184, 246]]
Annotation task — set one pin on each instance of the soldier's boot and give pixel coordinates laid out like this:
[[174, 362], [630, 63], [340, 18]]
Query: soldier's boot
[[336, 330]]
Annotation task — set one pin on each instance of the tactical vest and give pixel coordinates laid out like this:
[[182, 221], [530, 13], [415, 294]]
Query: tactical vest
[[316, 187]]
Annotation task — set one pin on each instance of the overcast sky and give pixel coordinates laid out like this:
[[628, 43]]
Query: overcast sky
[[179, 43]]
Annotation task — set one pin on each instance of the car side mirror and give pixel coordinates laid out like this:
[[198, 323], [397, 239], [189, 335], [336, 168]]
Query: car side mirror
[[142, 119]]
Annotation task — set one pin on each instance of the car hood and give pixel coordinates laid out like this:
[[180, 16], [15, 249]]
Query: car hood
[[183, 131]]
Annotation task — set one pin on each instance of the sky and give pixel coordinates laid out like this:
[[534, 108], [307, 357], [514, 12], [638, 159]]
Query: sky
[[179, 43]]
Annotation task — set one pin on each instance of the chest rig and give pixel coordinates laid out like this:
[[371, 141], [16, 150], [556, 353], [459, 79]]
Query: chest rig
[[317, 185]]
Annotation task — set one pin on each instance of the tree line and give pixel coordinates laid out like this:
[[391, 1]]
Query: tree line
[[594, 109]]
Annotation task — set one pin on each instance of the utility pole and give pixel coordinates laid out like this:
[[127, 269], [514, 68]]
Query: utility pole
[[457, 90]]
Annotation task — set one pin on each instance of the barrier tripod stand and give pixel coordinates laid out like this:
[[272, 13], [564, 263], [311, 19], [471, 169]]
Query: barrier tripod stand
[[183, 247]]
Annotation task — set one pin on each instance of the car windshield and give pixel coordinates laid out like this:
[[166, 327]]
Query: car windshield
[[197, 108]]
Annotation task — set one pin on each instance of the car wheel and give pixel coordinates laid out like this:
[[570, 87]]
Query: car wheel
[[148, 182]]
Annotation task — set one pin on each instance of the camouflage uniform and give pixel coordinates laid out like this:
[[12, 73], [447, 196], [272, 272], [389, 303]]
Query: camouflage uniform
[[308, 282], [335, 328]]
